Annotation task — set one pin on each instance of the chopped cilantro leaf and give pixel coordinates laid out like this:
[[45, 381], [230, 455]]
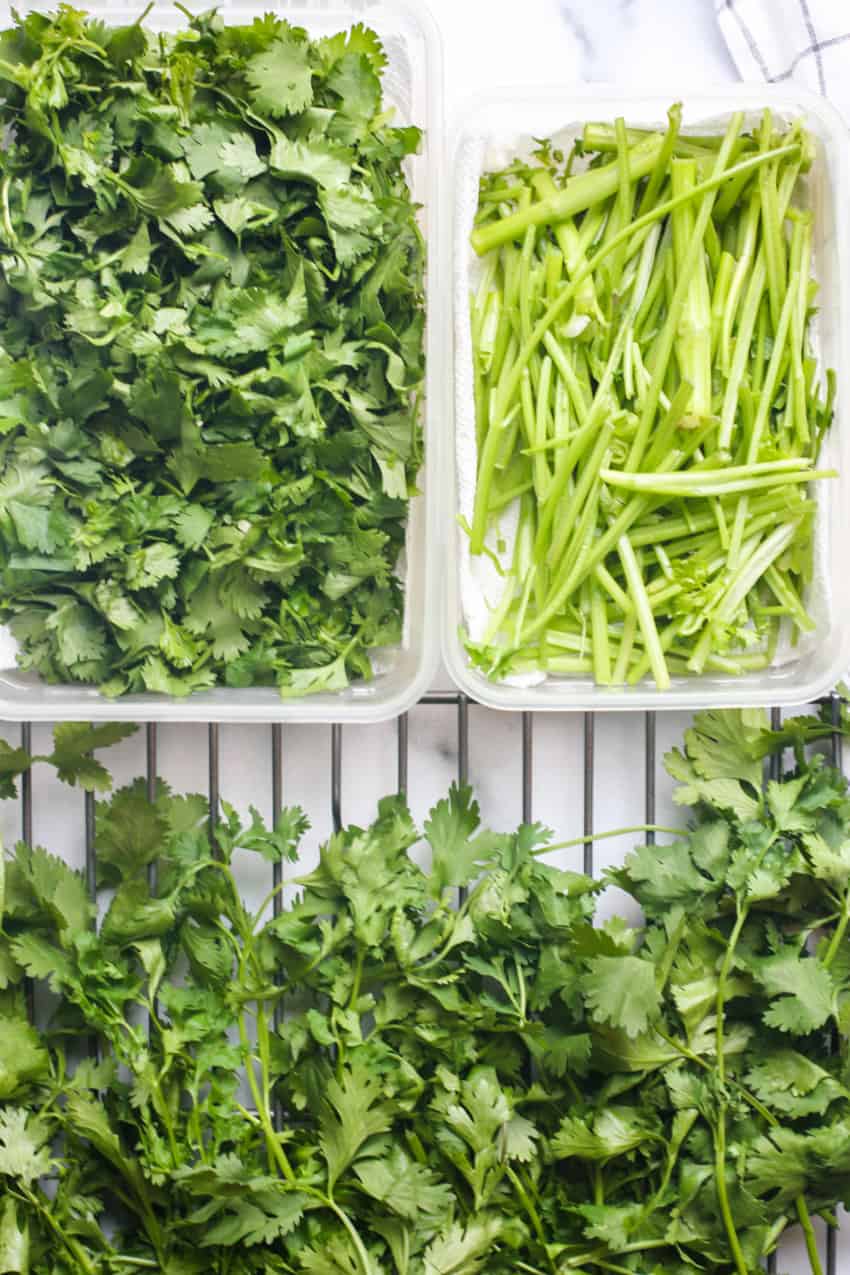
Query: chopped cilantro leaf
[[212, 356]]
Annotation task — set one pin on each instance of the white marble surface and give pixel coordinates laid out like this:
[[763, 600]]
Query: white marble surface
[[635, 43]]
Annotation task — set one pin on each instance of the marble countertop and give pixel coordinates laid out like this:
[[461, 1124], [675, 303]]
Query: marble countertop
[[631, 43]]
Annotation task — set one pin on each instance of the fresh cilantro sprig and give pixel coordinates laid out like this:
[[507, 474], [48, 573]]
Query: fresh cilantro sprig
[[455, 1084], [74, 744], [211, 306]]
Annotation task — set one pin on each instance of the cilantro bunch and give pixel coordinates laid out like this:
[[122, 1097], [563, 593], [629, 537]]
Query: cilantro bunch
[[382, 1077], [211, 320]]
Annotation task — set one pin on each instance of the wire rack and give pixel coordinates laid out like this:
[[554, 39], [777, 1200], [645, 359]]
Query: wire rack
[[466, 726]]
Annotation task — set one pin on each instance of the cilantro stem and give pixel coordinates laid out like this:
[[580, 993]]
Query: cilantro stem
[[838, 933], [609, 1266], [597, 1256], [752, 1101], [567, 294], [262, 1098], [274, 1149], [809, 1235], [715, 483], [723, 1194], [614, 832], [68, 1242], [682, 1049], [362, 1256], [8, 228], [643, 609], [720, 1128], [581, 192], [722, 979], [533, 1216]]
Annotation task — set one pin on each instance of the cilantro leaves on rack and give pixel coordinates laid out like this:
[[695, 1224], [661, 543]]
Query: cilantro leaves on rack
[[455, 1084]]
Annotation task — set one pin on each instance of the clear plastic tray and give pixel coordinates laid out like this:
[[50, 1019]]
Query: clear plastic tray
[[500, 121], [413, 85]]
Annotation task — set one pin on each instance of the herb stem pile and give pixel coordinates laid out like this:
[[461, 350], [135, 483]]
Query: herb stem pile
[[491, 1083], [211, 321], [648, 410]]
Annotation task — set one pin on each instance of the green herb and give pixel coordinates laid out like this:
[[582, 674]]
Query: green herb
[[646, 399], [212, 317], [493, 1084]]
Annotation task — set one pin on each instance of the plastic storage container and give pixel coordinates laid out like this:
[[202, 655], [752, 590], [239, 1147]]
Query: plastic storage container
[[501, 123], [413, 86]]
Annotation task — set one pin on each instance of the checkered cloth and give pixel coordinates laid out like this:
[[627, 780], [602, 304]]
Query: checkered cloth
[[807, 41]]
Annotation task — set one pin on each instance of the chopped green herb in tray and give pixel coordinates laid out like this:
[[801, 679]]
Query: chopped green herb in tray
[[385, 1080], [211, 322], [647, 398]]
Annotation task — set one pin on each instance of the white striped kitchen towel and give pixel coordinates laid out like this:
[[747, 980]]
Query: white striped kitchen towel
[[807, 41]]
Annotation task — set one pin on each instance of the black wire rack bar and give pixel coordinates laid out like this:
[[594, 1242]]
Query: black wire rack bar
[[589, 744], [444, 699]]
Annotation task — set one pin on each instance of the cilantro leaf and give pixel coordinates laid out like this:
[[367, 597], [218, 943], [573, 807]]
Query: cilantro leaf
[[621, 992], [249, 1224], [23, 1058], [55, 889], [24, 1153], [407, 1188], [281, 77], [612, 1133], [351, 1114], [73, 742], [461, 1250], [803, 989], [450, 829], [13, 762], [728, 744]]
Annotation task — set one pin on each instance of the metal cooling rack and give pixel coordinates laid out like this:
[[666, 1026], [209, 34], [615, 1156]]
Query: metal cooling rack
[[835, 1244]]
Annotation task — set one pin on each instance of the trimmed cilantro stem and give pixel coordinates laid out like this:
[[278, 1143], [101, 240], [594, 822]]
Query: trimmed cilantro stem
[[557, 307], [580, 193], [643, 610], [696, 488]]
